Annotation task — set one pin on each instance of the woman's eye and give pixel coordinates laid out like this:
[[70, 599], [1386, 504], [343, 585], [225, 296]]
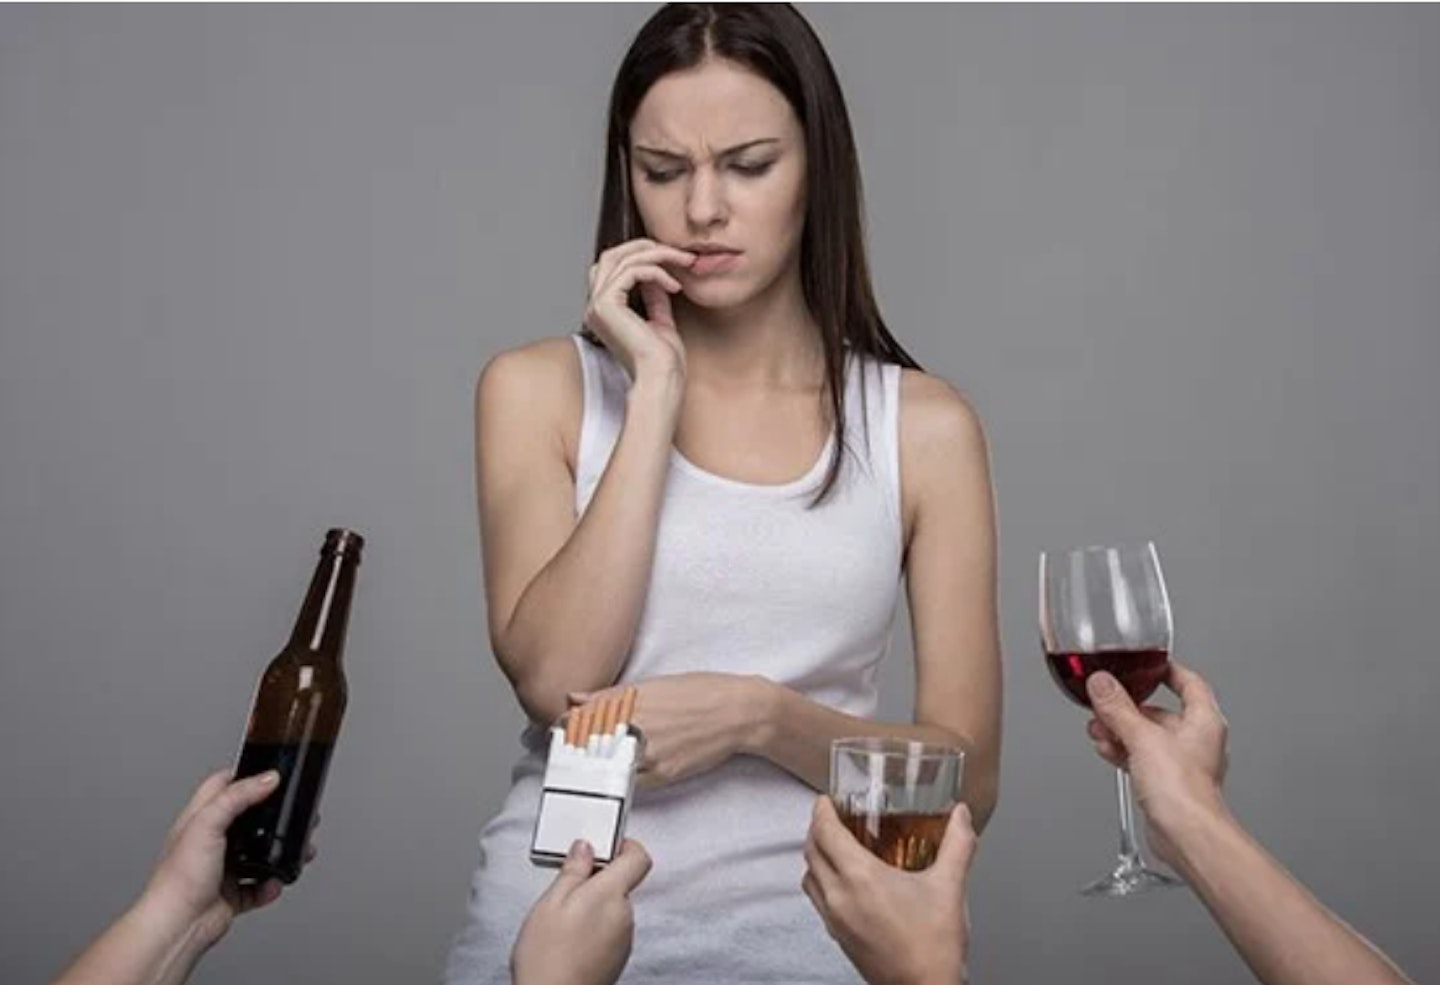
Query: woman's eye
[[661, 177], [753, 169]]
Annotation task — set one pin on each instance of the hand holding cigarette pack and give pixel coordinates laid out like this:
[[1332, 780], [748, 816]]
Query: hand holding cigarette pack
[[589, 780]]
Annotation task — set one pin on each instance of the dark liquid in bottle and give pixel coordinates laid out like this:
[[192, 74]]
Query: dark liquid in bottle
[[268, 840], [906, 841], [1138, 671]]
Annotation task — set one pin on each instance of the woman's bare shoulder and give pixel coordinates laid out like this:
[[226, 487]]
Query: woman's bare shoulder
[[549, 364], [539, 381], [944, 463], [937, 417]]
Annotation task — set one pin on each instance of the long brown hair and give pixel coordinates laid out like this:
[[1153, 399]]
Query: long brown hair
[[777, 43]]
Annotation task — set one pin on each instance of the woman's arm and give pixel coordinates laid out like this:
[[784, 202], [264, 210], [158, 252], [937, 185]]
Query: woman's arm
[[564, 597], [950, 564]]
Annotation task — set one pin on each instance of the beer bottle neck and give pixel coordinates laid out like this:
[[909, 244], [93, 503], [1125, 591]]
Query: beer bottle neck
[[320, 627]]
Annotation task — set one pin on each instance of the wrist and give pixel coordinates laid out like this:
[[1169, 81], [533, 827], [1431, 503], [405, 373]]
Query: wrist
[[174, 929], [948, 971], [759, 709], [660, 389], [1193, 831]]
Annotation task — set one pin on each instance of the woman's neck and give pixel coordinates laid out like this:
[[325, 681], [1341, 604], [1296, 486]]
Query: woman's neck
[[771, 341]]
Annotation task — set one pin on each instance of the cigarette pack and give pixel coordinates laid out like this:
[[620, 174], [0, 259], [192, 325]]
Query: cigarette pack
[[586, 794]]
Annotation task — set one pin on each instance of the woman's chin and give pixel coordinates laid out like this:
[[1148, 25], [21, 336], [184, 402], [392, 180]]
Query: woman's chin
[[717, 293]]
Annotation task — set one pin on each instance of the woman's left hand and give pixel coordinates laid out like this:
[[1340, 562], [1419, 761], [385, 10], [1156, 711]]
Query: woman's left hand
[[692, 722]]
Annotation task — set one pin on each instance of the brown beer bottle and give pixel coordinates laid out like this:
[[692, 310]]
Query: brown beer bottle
[[295, 721]]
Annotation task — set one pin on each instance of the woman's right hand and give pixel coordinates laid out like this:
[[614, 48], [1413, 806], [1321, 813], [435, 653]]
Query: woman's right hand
[[644, 346]]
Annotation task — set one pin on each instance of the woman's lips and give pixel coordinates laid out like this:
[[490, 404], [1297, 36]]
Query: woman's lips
[[709, 264]]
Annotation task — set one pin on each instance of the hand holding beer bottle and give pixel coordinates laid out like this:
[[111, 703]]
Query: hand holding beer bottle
[[189, 903]]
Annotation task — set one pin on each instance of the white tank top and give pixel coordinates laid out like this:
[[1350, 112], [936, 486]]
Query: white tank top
[[746, 580]]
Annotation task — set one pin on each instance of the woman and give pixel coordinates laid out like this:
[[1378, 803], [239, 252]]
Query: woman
[[714, 494]]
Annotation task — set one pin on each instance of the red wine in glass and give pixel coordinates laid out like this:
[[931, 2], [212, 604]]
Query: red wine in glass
[[1139, 672]]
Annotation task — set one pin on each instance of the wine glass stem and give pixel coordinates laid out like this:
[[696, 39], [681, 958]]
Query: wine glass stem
[[1128, 850]]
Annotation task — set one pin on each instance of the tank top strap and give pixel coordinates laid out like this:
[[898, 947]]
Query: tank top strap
[[872, 414]]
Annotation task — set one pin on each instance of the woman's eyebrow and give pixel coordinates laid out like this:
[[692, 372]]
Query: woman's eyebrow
[[727, 152]]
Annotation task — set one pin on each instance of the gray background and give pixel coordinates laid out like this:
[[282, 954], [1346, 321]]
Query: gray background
[[1184, 261]]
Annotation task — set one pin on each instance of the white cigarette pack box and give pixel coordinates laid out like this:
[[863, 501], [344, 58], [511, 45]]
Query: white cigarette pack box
[[586, 795]]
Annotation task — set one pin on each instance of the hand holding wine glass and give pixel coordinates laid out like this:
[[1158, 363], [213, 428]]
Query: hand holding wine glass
[[1106, 608], [1177, 759]]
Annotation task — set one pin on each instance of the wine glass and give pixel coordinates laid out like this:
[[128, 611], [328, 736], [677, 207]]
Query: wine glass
[[1105, 608]]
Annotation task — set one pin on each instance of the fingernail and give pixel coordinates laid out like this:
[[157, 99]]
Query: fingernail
[[578, 847], [270, 777], [1101, 684]]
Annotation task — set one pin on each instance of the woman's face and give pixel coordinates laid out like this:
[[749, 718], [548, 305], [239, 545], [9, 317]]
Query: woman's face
[[717, 163]]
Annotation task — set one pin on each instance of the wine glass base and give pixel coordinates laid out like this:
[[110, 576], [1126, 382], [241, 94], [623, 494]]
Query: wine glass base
[[1130, 878]]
